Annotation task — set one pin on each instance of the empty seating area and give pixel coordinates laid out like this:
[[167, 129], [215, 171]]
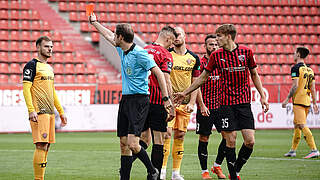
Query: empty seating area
[[19, 28]]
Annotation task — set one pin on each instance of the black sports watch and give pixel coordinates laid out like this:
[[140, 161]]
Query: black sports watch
[[165, 98]]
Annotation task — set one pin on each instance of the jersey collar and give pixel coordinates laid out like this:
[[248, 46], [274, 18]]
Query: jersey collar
[[130, 49]]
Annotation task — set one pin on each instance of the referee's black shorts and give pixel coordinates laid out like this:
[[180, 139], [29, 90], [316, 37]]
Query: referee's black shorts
[[132, 114], [205, 123], [156, 119], [235, 117]]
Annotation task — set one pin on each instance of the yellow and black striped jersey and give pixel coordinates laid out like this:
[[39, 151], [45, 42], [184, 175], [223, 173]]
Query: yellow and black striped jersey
[[184, 68], [41, 76], [305, 77]]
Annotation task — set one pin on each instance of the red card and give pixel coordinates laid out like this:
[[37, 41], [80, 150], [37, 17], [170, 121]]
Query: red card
[[89, 9]]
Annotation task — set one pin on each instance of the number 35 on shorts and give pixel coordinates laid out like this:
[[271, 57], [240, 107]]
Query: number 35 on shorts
[[225, 123]]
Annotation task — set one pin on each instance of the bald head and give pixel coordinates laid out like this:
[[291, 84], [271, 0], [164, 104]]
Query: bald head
[[180, 40]]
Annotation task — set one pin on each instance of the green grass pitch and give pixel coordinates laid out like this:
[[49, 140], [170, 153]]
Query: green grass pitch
[[93, 156]]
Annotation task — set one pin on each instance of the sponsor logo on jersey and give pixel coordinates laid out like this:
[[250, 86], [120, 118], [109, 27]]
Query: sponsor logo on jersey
[[241, 58], [27, 74]]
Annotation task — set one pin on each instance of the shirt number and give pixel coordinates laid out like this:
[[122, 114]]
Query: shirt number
[[225, 123]]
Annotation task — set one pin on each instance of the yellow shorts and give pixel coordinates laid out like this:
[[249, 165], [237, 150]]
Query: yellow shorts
[[44, 129], [300, 114], [181, 121]]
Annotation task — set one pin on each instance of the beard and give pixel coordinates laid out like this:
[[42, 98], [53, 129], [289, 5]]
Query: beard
[[45, 55], [209, 52], [178, 44]]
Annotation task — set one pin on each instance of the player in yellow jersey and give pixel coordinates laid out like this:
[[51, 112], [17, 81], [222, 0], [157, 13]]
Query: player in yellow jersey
[[41, 98], [186, 66], [303, 83]]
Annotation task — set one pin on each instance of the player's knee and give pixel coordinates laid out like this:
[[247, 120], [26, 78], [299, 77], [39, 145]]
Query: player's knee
[[42, 146], [249, 143], [179, 135], [203, 138], [135, 148]]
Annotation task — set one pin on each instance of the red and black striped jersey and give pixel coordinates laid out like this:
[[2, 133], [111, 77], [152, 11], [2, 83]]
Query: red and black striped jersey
[[210, 88], [233, 68], [163, 59]]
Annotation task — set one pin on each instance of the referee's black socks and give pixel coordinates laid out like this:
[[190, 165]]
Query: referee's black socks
[[243, 156], [157, 156], [126, 164], [203, 154], [231, 159], [142, 144], [144, 158]]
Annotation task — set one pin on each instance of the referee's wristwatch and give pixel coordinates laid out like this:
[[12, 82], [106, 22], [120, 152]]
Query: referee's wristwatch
[[165, 98]]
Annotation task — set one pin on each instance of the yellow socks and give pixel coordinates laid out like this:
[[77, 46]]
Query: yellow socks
[[39, 163], [296, 139], [309, 138], [177, 154], [166, 152]]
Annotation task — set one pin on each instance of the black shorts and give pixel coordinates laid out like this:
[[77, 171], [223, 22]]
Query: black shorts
[[133, 111], [235, 117], [205, 123], [156, 119]]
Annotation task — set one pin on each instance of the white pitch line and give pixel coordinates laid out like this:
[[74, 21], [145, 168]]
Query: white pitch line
[[117, 152]]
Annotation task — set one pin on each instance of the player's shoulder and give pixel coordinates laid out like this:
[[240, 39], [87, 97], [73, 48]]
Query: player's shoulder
[[242, 47], [193, 54], [31, 63]]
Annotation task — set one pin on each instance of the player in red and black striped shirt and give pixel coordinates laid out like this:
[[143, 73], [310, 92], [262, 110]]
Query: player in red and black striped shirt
[[207, 105], [158, 116], [234, 63]]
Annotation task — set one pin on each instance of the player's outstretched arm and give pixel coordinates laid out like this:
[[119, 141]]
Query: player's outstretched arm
[[164, 91], [105, 32], [314, 98], [257, 83], [178, 97]]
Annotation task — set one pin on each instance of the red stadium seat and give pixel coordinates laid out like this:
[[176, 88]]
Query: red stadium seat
[[15, 68], [287, 79], [283, 59], [248, 39], [14, 46], [14, 35], [273, 59], [286, 69], [24, 36], [264, 29], [45, 26], [4, 14], [14, 57], [315, 49], [57, 47], [278, 79], [58, 79], [258, 38], [191, 28], [80, 69], [82, 16], [69, 69], [267, 39], [63, 6], [81, 79], [268, 79], [295, 39], [240, 38], [92, 79], [35, 25], [25, 15], [26, 46], [15, 78], [14, 14], [25, 57], [4, 45], [95, 37], [70, 79], [305, 39], [314, 10], [315, 68], [91, 69], [84, 27], [58, 68], [131, 8], [73, 16], [68, 58], [276, 39], [4, 56], [314, 39], [311, 29], [262, 59], [14, 24], [289, 20], [274, 29], [4, 68], [261, 48], [102, 79], [4, 79], [311, 59]]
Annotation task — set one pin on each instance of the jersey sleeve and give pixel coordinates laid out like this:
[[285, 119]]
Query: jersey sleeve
[[145, 60], [27, 96], [57, 103], [295, 72], [212, 62], [196, 68], [167, 63], [252, 62], [29, 71]]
